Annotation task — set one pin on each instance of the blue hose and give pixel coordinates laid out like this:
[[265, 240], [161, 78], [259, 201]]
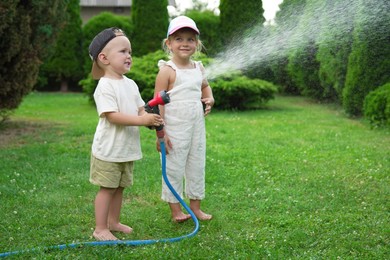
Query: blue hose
[[127, 242]]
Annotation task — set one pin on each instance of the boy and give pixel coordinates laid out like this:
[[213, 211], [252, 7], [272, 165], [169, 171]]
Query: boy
[[116, 143]]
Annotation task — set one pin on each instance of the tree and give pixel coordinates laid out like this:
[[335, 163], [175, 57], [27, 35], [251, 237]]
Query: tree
[[27, 28], [286, 21], [65, 62], [150, 19], [208, 24], [238, 16], [303, 66], [369, 61], [335, 41]]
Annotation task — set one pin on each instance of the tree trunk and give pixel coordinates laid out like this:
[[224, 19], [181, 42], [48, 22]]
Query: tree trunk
[[64, 85]]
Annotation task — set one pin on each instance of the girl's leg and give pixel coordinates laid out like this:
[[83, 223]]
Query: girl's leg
[[195, 207], [115, 211], [102, 205], [177, 213]]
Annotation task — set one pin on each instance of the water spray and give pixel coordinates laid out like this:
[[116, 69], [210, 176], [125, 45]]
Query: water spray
[[161, 98], [263, 44]]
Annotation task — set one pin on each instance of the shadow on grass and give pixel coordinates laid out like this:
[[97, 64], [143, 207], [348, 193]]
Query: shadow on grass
[[15, 132]]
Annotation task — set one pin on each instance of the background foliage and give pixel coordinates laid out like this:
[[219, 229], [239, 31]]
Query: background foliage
[[233, 91], [208, 25], [150, 19], [62, 65], [331, 50], [369, 60], [377, 106], [27, 29], [238, 16]]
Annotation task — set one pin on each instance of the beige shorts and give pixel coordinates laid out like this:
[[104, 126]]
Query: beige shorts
[[111, 174]]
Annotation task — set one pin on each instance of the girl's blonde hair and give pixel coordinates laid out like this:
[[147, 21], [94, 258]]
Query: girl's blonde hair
[[199, 46]]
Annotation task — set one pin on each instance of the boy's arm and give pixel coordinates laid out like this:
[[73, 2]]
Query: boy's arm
[[143, 119]]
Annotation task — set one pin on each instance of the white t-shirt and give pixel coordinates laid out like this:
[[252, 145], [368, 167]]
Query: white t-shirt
[[117, 143]]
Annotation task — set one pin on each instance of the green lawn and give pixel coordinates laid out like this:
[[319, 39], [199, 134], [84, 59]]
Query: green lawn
[[297, 180]]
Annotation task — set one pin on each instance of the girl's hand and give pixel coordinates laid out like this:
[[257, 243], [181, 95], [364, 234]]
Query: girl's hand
[[209, 102], [167, 142]]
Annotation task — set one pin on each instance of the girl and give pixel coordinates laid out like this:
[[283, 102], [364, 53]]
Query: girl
[[185, 137]]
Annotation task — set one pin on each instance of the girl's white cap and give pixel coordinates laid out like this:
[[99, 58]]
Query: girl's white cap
[[181, 22]]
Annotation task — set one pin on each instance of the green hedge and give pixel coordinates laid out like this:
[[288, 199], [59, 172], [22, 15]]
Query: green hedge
[[230, 92], [240, 92], [377, 106], [144, 72]]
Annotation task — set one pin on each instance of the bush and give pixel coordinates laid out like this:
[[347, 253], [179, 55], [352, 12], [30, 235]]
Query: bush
[[377, 106], [230, 92], [89, 85], [369, 60], [240, 92], [28, 29], [150, 19], [208, 24], [144, 72]]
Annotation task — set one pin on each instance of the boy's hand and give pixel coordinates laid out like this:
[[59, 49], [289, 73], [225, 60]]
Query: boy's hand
[[152, 120]]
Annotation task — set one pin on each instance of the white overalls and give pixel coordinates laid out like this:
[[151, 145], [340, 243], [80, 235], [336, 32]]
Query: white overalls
[[185, 127]]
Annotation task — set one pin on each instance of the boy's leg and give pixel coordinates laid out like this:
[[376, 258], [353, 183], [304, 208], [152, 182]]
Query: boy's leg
[[195, 207], [102, 205], [115, 211], [177, 213]]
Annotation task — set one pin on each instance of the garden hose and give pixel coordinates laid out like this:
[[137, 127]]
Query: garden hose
[[126, 242]]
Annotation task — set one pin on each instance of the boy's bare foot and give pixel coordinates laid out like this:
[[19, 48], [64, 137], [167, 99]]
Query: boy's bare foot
[[104, 235], [119, 227], [181, 217]]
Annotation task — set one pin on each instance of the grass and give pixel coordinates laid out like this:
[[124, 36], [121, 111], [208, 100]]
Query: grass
[[297, 180]]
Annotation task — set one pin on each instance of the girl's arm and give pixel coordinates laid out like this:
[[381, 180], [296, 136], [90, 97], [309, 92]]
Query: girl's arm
[[207, 94], [164, 82]]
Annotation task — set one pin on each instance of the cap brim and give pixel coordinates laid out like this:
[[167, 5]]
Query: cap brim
[[181, 27], [97, 72]]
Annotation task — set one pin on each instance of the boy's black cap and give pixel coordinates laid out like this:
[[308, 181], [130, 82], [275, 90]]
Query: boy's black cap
[[97, 45]]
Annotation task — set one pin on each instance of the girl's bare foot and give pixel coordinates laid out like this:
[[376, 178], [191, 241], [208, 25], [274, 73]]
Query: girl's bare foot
[[104, 235], [119, 227], [202, 216], [195, 207], [177, 214]]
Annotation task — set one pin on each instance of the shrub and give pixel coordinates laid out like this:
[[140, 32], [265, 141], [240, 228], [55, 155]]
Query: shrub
[[144, 72], [377, 106], [150, 19], [208, 24], [89, 85], [369, 60], [240, 92], [28, 29], [62, 67], [230, 92]]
